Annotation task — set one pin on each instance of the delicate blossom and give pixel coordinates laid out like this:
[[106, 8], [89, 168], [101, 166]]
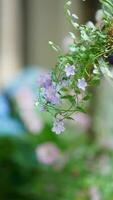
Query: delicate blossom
[[65, 83], [51, 95], [47, 153], [45, 81], [70, 70], [82, 84], [48, 90], [58, 126], [42, 108]]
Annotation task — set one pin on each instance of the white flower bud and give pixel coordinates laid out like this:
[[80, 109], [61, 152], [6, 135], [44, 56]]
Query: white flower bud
[[68, 12], [75, 17], [72, 35], [90, 24], [99, 15], [68, 3]]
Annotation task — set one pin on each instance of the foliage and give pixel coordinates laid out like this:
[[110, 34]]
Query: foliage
[[81, 169], [67, 89]]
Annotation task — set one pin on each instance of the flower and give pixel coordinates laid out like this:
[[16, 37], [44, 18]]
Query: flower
[[48, 90], [47, 153], [45, 81], [58, 126], [51, 95], [65, 83], [70, 70], [32, 121], [42, 108], [82, 84], [82, 119]]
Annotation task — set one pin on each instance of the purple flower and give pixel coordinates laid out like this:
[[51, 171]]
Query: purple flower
[[70, 70], [51, 95], [65, 83], [42, 108], [45, 81], [82, 84], [58, 126]]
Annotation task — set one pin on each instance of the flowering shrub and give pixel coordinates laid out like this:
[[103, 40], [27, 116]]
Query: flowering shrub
[[67, 88]]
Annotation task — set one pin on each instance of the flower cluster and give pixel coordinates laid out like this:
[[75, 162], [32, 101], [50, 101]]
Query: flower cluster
[[67, 88]]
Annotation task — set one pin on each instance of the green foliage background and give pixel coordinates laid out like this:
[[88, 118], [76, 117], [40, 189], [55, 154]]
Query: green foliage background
[[23, 177]]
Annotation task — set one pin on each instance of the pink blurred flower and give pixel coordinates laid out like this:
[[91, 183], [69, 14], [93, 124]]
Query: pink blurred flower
[[25, 101], [47, 153], [24, 98], [32, 121], [94, 193], [82, 119]]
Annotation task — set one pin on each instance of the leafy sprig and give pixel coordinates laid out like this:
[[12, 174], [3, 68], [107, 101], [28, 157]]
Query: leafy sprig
[[66, 89]]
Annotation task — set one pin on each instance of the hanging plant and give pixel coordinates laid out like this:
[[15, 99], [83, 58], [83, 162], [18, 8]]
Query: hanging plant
[[67, 88]]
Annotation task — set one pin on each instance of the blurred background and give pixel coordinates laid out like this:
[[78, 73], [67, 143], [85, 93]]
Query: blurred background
[[36, 164]]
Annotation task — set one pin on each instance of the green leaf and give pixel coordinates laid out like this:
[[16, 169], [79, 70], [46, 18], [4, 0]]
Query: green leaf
[[70, 98], [70, 118], [87, 97], [81, 109]]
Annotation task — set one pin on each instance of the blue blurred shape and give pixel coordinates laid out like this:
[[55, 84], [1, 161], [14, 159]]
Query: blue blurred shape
[[27, 78], [4, 107], [9, 126]]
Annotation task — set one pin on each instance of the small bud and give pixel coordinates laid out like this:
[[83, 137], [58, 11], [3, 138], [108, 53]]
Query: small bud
[[54, 46], [74, 17], [50, 42], [72, 35], [76, 25], [68, 3], [90, 24], [36, 103], [68, 12]]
